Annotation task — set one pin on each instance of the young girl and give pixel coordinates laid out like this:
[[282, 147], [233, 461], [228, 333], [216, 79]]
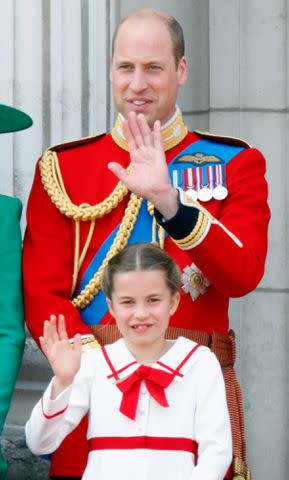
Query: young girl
[[157, 408]]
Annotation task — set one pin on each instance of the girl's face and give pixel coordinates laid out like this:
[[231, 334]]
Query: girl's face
[[142, 304]]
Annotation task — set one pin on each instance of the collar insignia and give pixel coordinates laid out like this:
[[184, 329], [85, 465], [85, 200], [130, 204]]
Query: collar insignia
[[173, 132]]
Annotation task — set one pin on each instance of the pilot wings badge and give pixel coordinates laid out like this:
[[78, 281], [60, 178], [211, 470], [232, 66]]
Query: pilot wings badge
[[200, 159]]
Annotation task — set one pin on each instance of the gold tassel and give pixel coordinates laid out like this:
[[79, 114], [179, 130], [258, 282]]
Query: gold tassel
[[150, 208], [154, 231], [161, 231], [162, 237], [248, 474], [241, 471]]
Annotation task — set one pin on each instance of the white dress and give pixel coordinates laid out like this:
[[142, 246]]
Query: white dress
[[188, 440]]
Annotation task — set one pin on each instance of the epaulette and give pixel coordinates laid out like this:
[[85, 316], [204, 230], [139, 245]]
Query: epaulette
[[237, 142], [75, 143]]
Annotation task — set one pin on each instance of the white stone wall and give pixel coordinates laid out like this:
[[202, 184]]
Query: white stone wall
[[54, 65], [249, 99]]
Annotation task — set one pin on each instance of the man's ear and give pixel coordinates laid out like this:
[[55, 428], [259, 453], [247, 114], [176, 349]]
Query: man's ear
[[182, 71], [175, 302]]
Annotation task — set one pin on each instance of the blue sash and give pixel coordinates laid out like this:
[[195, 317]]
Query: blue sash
[[142, 232], [224, 153]]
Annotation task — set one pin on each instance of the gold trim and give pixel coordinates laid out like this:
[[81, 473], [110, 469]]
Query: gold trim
[[231, 140], [161, 230], [173, 134], [120, 241], [72, 143], [53, 183], [88, 344], [196, 234], [187, 200], [240, 470]]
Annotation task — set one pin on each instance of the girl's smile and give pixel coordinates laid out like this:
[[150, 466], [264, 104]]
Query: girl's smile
[[142, 305]]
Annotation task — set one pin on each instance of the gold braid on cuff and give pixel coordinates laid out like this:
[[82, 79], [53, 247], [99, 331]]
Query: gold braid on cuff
[[195, 236]]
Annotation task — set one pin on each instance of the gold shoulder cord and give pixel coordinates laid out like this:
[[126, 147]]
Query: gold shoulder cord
[[52, 180], [161, 230], [53, 183]]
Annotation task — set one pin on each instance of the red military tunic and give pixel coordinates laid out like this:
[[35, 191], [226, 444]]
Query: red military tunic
[[232, 267]]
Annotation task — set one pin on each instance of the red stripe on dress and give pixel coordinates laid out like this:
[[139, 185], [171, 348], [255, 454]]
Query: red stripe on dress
[[122, 369], [187, 358], [169, 369], [177, 370], [48, 417], [113, 371], [144, 442]]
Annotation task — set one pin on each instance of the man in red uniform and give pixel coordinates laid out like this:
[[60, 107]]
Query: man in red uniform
[[201, 197]]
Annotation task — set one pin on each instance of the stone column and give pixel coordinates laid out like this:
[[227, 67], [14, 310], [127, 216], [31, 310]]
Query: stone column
[[249, 99]]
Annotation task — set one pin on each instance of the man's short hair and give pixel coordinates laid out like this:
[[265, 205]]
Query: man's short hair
[[174, 28]]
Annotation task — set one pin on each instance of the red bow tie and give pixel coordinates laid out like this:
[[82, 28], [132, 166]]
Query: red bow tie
[[156, 381]]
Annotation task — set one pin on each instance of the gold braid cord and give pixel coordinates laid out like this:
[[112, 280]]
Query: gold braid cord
[[53, 183], [161, 241], [120, 241]]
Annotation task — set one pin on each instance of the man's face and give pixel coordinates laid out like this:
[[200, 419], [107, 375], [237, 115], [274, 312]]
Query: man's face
[[143, 72]]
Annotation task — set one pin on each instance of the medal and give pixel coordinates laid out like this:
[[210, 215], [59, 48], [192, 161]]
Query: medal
[[220, 191], [190, 184], [200, 169], [205, 193]]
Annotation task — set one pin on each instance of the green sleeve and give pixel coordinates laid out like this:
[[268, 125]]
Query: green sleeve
[[11, 302]]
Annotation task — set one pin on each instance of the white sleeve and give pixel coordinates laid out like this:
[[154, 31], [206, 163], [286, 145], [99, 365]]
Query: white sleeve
[[52, 420], [212, 422]]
